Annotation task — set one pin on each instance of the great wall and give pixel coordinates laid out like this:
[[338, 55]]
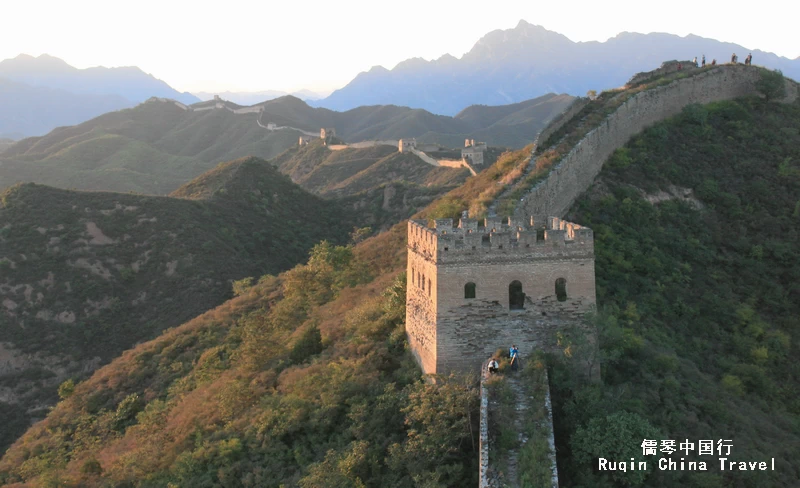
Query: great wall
[[575, 172], [473, 290], [471, 155]]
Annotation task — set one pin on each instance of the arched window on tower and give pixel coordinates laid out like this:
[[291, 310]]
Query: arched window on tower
[[516, 297], [561, 290], [469, 290]]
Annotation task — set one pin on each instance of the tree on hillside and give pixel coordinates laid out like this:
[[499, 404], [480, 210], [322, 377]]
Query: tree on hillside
[[771, 85]]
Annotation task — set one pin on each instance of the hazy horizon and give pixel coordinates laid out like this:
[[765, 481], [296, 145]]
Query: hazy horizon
[[286, 48]]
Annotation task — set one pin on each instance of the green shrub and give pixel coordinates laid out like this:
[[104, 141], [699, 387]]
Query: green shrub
[[309, 344]]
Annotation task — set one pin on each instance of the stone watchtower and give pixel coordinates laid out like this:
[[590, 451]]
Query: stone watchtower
[[472, 290]]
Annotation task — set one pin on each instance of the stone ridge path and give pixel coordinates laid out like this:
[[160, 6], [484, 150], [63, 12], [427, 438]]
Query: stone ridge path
[[510, 475], [491, 211]]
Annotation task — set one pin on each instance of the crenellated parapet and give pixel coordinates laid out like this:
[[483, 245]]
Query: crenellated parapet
[[498, 240]]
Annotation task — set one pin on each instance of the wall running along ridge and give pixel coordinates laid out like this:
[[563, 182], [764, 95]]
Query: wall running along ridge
[[577, 170], [559, 120]]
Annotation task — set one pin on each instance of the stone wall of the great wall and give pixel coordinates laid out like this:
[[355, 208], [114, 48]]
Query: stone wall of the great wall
[[575, 172], [559, 120]]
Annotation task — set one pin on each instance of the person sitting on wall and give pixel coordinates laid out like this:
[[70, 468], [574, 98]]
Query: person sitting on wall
[[494, 367]]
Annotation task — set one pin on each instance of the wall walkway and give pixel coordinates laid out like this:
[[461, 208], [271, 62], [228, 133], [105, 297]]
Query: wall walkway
[[503, 471], [576, 171]]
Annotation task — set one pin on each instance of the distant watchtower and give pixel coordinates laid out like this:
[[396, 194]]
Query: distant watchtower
[[327, 133], [472, 290], [405, 145], [473, 152]]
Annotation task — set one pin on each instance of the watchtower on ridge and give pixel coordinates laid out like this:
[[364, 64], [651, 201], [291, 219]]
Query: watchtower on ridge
[[474, 289]]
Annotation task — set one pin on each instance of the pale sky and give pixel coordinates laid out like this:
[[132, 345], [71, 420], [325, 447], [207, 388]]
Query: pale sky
[[321, 45]]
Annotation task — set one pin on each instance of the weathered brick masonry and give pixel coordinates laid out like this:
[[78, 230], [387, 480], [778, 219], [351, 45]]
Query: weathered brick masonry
[[448, 331]]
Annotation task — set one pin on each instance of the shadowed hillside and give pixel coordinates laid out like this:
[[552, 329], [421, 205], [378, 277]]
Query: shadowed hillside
[[152, 148], [354, 170], [404, 167], [84, 276]]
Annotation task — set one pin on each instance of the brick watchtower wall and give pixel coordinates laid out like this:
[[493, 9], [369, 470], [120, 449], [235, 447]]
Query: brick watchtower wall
[[448, 330]]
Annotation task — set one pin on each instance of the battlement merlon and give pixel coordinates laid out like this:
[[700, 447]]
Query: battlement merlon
[[498, 240]]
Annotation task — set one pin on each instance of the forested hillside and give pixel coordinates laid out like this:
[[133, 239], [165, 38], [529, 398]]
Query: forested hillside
[[84, 276], [696, 225], [301, 380]]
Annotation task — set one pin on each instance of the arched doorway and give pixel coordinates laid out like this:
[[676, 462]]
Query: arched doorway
[[561, 290], [469, 290], [516, 297]]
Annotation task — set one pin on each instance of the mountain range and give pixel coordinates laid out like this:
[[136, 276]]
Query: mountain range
[[306, 378], [508, 66], [503, 67], [254, 97], [157, 146], [38, 94]]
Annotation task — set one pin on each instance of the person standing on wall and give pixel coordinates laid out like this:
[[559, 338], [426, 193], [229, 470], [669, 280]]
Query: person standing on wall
[[514, 353], [704, 61]]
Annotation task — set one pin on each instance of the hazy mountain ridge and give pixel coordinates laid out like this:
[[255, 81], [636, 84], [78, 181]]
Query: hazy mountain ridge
[[129, 82], [39, 94], [156, 147], [507, 66], [153, 148], [255, 97], [29, 110]]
